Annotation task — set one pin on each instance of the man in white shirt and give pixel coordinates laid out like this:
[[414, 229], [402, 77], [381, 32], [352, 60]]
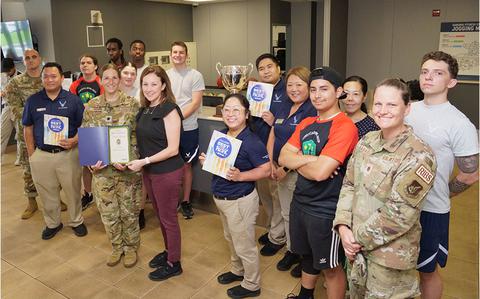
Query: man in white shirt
[[187, 86], [137, 57], [453, 139]]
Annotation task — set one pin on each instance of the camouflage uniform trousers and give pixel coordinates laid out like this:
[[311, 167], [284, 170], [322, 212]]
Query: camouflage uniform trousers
[[118, 201], [28, 185], [371, 280]]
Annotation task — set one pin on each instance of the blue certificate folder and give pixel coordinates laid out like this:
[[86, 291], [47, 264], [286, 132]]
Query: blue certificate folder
[[93, 145]]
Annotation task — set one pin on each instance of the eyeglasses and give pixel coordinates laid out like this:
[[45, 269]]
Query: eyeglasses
[[229, 111]]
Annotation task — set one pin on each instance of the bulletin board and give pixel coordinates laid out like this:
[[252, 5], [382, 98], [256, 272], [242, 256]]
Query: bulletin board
[[460, 39]]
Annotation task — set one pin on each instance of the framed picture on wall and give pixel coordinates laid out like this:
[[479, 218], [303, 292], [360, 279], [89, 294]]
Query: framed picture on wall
[[95, 37]]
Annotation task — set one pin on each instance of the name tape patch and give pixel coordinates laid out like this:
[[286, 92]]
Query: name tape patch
[[424, 174]]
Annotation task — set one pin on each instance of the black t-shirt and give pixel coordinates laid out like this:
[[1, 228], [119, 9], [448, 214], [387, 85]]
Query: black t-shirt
[[152, 138]]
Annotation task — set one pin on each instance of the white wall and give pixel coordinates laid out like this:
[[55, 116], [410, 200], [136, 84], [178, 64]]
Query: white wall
[[230, 33], [39, 12], [300, 37], [13, 11]]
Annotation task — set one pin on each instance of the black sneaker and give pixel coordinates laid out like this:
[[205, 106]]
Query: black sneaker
[[228, 277], [80, 230], [288, 260], [159, 260], [141, 219], [187, 210], [87, 200], [166, 272], [297, 271], [270, 249], [263, 239], [49, 233], [241, 292]]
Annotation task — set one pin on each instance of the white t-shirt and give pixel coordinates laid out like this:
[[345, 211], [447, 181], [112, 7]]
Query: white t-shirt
[[139, 74], [184, 83], [450, 134]]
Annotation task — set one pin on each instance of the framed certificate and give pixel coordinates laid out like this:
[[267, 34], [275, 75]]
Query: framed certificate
[[106, 144], [119, 140]]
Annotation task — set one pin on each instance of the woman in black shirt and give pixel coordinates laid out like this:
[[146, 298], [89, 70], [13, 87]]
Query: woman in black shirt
[[159, 123]]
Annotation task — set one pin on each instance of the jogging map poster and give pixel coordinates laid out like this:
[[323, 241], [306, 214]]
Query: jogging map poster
[[460, 39]]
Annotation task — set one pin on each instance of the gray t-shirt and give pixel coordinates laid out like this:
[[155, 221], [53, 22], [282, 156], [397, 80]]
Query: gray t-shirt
[[184, 83], [450, 134]]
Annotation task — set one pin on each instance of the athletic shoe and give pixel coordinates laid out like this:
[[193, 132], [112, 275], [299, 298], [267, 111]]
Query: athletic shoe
[[166, 272], [288, 260], [228, 277], [49, 233], [270, 249], [87, 200], [241, 292], [187, 210]]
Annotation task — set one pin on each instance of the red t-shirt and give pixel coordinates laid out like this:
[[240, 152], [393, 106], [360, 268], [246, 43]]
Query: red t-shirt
[[336, 138], [87, 90]]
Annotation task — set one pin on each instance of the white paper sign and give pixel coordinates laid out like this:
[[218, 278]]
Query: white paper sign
[[55, 128], [221, 154], [260, 96]]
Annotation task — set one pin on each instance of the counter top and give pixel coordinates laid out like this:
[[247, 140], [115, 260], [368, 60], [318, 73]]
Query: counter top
[[208, 113]]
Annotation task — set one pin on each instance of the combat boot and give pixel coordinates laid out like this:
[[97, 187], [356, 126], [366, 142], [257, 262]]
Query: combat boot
[[114, 258], [31, 208], [130, 259]]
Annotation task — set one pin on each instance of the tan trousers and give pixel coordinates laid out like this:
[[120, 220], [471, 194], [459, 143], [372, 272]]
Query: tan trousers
[[238, 218], [52, 173], [268, 192], [285, 195]]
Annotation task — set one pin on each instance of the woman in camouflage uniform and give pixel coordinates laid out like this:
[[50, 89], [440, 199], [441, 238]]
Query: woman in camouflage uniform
[[116, 189]]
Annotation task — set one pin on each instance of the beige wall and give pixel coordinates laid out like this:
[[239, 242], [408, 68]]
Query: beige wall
[[230, 33]]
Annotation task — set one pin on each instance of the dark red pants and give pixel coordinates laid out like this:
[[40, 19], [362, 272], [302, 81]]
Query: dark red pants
[[163, 190]]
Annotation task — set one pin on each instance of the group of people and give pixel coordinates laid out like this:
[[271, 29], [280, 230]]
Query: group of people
[[350, 195]]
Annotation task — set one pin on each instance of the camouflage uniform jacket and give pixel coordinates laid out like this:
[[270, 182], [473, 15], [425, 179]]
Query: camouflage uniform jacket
[[100, 113], [16, 93], [383, 189]]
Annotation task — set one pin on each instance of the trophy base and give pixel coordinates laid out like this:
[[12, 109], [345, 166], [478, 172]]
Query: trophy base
[[218, 110]]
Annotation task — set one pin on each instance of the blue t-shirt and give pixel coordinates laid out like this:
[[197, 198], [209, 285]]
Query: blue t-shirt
[[66, 104], [252, 154], [280, 108], [284, 128]]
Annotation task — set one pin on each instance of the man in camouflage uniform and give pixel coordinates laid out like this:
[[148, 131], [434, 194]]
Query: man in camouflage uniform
[[116, 189], [378, 212], [16, 93]]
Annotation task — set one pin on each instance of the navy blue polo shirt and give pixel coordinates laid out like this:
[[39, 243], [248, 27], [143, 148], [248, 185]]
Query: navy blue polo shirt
[[252, 154], [284, 127], [66, 104], [280, 108]]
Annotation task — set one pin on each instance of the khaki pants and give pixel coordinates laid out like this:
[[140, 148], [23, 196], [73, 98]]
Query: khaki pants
[[52, 173], [285, 195], [268, 193], [238, 218]]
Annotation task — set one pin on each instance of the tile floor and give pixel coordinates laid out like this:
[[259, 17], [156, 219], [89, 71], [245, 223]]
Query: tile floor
[[71, 267]]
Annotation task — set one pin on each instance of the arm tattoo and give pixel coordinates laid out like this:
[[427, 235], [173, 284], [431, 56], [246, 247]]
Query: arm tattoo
[[456, 186], [468, 164]]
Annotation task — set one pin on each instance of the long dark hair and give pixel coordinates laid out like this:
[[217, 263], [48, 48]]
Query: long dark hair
[[364, 85], [167, 93]]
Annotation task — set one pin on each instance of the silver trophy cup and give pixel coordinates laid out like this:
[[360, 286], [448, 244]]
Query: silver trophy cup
[[234, 77]]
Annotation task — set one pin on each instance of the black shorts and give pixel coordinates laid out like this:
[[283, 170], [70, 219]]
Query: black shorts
[[314, 236], [433, 242], [189, 146]]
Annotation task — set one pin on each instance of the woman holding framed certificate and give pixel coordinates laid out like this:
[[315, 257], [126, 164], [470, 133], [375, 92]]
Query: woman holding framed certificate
[[237, 199], [159, 123], [116, 189]]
